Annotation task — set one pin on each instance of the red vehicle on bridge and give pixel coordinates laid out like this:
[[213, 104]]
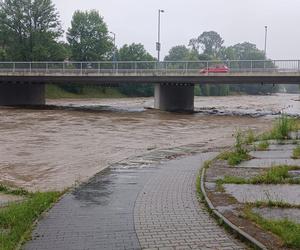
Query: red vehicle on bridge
[[219, 68]]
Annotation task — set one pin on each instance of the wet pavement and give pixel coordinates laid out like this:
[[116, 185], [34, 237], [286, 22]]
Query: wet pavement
[[251, 193], [292, 214], [269, 162], [153, 206]]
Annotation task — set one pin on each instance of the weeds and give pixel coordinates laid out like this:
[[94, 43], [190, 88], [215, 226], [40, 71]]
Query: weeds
[[239, 154], [287, 230], [275, 175], [262, 146], [283, 126], [250, 137], [296, 153], [272, 204], [13, 191]]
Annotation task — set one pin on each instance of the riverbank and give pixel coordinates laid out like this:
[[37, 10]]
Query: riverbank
[[55, 92], [258, 196]]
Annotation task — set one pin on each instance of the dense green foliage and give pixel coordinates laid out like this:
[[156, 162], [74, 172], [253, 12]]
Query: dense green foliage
[[29, 31], [135, 52], [56, 92], [88, 37], [182, 53]]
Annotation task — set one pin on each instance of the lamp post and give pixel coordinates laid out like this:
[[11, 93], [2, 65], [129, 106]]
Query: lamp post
[[158, 45], [114, 35], [266, 36]]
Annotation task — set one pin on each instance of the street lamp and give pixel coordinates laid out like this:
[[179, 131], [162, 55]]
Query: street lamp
[[114, 56], [158, 45], [266, 35]]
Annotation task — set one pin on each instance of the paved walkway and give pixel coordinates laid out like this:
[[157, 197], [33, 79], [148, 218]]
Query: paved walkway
[[124, 207]]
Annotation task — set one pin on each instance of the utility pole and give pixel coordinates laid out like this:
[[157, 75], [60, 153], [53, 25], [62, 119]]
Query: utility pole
[[158, 44], [114, 35], [266, 36]]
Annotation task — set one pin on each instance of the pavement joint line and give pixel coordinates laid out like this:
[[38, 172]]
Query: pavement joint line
[[233, 227]]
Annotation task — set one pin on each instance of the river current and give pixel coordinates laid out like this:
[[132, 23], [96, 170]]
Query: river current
[[69, 141]]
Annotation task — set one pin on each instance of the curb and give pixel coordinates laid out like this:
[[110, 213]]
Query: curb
[[252, 241]]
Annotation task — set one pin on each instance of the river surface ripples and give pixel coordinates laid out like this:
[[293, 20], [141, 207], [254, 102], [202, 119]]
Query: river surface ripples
[[69, 141]]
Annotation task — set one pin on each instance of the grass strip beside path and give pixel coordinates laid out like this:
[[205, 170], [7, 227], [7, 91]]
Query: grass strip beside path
[[17, 219], [288, 231], [275, 175]]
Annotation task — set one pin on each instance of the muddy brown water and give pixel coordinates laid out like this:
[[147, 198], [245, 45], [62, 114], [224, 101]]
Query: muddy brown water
[[70, 141]]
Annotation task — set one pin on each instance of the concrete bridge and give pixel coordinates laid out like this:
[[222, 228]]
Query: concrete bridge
[[23, 83]]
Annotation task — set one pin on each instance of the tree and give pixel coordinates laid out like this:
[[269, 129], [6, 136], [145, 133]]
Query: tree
[[29, 28], [135, 52], [248, 51], [210, 42], [244, 51], [88, 37], [181, 53]]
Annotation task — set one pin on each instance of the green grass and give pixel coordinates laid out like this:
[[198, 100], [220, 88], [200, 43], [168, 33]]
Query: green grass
[[288, 231], [280, 131], [17, 219], [55, 92], [250, 137], [272, 204], [262, 146], [296, 153], [13, 191], [275, 175], [234, 158], [239, 153]]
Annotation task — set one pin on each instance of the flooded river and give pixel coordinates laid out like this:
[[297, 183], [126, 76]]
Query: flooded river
[[71, 140]]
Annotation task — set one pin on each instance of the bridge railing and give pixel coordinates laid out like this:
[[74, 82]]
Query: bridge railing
[[148, 67]]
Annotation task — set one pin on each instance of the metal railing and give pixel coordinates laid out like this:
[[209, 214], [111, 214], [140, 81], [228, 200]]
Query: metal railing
[[148, 67]]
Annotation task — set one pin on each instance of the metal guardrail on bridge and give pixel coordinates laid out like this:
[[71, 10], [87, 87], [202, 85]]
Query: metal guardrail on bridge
[[147, 67]]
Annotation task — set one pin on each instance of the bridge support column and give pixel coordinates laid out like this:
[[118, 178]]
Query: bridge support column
[[174, 98], [12, 94]]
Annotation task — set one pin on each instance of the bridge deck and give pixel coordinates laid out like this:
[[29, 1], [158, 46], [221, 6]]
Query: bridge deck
[[243, 71], [150, 78]]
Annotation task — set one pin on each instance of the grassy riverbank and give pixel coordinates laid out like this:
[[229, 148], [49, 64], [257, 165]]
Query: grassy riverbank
[[55, 92], [17, 218]]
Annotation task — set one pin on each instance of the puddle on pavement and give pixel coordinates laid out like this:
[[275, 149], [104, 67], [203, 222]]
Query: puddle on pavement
[[252, 193], [292, 214], [72, 140]]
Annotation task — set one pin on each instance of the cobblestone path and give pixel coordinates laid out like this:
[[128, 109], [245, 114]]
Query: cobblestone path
[[129, 207]]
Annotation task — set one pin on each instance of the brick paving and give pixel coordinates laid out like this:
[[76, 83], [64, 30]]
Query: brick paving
[[168, 215], [125, 207]]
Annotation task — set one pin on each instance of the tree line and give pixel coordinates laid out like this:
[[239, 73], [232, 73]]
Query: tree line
[[31, 30]]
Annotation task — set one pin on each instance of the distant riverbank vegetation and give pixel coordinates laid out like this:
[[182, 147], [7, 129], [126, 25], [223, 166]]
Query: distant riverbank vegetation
[[31, 31]]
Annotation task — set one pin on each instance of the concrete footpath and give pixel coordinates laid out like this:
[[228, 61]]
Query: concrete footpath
[[135, 206]]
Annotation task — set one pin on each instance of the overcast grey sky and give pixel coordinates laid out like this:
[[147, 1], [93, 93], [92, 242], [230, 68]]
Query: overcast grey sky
[[235, 20]]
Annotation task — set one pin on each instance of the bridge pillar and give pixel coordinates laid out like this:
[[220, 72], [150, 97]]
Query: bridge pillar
[[12, 94], [174, 98]]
